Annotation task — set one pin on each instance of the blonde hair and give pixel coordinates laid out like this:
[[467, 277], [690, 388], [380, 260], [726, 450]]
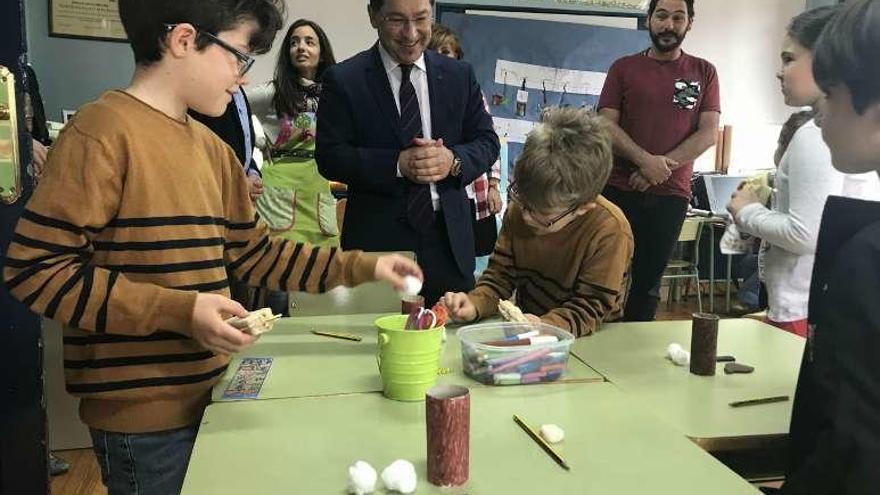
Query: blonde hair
[[566, 160], [441, 35]]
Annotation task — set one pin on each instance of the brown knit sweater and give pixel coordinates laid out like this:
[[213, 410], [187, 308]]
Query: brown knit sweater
[[136, 213], [573, 279]]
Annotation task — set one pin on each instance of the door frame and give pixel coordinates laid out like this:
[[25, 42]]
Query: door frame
[[24, 461]]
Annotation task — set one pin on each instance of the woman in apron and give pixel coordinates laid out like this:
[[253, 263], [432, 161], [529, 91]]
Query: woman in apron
[[296, 203]]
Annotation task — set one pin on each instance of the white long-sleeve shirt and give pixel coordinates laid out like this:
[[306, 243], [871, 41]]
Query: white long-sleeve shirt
[[803, 183]]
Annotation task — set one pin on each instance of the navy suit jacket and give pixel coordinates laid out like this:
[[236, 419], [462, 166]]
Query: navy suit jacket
[[359, 141], [835, 423], [228, 128]]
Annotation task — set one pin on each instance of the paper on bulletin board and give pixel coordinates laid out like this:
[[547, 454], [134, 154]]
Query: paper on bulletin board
[[514, 130], [554, 79], [503, 155], [564, 53]]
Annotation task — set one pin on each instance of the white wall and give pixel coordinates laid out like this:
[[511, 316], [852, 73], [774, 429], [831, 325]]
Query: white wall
[[742, 39], [70, 71], [345, 22], [743, 45]]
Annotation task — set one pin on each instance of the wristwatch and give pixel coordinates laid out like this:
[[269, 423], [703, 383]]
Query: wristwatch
[[455, 171]]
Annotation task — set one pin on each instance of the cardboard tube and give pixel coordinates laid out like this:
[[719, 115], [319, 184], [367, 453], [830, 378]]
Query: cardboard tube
[[447, 421], [719, 150], [728, 148], [704, 343], [409, 303]]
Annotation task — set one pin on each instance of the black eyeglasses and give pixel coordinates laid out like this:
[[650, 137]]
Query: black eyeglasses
[[512, 194], [245, 61], [398, 22]]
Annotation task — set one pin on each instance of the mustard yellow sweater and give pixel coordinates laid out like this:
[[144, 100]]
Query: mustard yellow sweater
[[574, 279], [137, 213]]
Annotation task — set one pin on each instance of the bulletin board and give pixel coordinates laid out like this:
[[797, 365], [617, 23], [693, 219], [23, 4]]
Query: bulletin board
[[524, 65]]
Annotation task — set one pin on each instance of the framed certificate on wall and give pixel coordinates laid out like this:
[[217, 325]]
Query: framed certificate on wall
[[86, 19]]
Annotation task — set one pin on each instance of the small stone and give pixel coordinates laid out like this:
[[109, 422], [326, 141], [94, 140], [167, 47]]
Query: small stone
[[732, 368]]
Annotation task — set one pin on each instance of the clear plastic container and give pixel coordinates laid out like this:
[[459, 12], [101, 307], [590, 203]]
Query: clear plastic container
[[488, 356]]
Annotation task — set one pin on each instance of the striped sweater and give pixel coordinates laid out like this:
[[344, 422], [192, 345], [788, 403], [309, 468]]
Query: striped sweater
[[136, 213], [574, 279]]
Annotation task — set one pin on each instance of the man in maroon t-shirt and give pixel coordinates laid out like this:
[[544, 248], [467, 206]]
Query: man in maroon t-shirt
[[663, 107]]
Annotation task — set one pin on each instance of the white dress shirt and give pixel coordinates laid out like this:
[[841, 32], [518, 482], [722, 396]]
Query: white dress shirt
[[245, 121], [419, 78]]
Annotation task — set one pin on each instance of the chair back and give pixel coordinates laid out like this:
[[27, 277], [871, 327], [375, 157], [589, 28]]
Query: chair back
[[690, 229]]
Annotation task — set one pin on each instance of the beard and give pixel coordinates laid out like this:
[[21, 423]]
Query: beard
[[662, 47]]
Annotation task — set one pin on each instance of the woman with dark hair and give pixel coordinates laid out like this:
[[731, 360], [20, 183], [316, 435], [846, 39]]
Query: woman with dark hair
[[296, 203], [299, 69], [804, 180]]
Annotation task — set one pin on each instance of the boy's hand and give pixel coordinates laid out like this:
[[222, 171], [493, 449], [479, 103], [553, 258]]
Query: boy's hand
[[209, 329], [39, 152], [255, 186], [460, 307], [393, 267]]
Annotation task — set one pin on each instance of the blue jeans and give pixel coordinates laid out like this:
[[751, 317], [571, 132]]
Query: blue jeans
[[144, 463]]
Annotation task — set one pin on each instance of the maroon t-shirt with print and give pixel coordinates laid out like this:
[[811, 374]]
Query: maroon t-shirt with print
[[660, 104]]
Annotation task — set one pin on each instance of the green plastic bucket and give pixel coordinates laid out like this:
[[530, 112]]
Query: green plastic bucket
[[408, 359]]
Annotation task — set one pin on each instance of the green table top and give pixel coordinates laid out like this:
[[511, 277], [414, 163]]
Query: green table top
[[632, 357], [307, 365], [305, 445]]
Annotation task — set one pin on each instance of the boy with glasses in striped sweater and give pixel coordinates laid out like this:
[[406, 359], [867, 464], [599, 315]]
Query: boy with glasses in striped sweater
[[128, 237]]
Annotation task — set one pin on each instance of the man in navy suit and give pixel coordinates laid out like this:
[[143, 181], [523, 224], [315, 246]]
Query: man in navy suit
[[407, 130], [236, 129]]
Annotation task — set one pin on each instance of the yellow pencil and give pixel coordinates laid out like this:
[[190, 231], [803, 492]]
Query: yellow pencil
[[543, 443], [346, 336], [755, 402]]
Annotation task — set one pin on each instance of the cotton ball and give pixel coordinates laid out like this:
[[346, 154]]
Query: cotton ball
[[678, 355], [411, 286], [361, 478], [400, 476], [552, 433]]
